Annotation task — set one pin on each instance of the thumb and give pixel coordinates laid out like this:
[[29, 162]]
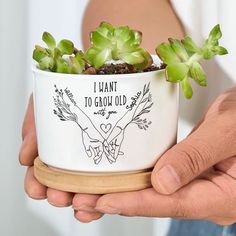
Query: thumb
[[29, 149], [212, 142]]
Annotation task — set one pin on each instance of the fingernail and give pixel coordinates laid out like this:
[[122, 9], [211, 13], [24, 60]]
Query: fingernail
[[108, 210], [40, 197], [86, 208], [168, 180], [59, 205]]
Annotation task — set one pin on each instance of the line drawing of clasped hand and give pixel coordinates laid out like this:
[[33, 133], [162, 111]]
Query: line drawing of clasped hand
[[115, 139], [94, 142], [117, 134], [141, 105], [95, 148]]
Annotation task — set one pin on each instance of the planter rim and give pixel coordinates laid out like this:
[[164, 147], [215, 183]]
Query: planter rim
[[35, 69]]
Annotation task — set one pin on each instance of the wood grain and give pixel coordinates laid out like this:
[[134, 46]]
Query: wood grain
[[84, 182]]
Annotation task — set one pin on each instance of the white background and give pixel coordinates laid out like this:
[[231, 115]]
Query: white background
[[21, 25]]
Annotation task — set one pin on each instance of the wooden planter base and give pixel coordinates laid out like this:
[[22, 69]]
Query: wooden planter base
[[85, 182]]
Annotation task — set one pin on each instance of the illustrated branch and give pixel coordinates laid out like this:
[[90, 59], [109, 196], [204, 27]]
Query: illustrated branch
[[93, 144], [116, 135], [146, 100]]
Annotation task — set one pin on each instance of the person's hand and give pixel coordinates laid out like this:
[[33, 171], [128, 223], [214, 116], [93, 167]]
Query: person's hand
[[33, 188], [28, 153], [92, 147], [196, 179]]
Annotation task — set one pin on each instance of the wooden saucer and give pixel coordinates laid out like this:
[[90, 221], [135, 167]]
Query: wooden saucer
[[85, 182]]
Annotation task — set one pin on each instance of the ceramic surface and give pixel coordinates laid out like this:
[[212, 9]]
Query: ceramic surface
[[104, 123]]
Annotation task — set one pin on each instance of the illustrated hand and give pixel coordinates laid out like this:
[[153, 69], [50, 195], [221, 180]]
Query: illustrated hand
[[141, 104], [115, 141], [93, 147], [33, 188], [196, 179]]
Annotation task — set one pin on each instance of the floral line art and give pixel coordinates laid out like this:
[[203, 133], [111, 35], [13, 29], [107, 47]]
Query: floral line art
[[105, 140]]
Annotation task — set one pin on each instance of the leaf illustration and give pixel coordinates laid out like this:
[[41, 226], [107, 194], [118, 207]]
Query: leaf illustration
[[140, 126], [143, 111], [149, 106], [150, 97], [144, 100], [144, 89]]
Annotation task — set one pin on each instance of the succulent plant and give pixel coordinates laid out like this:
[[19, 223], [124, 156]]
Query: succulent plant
[[117, 43], [52, 59], [182, 59]]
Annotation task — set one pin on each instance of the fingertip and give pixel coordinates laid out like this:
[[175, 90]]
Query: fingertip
[[87, 217], [59, 198], [33, 188], [82, 200], [165, 180], [113, 203], [155, 184], [28, 151]]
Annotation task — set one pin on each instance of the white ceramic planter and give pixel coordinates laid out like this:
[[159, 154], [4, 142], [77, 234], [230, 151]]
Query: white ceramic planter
[[104, 123]]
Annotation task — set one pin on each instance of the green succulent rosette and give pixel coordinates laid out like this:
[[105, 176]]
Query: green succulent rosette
[[52, 59], [117, 43], [182, 59]]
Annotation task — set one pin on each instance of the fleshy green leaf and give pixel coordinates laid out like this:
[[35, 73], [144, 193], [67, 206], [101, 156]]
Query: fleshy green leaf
[[46, 63], [90, 55], [80, 56], [66, 47], [132, 58], [130, 45], [49, 40], [219, 50], [57, 53], [167, 54], [147, 60], [207, 53], [214, 35], [179, 49], [62, 66], [176, 72], [101, 57], [99, 41], [198, 74], [105, 29], [76, 66], [106, 25], [186, 88], [138, 37], [122, 33], [189, 45], [39, 53]]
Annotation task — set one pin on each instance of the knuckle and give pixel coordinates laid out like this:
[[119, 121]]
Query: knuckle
[[182, 209], [136, 210], [195, 159], [230, 135], [179, 210]]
